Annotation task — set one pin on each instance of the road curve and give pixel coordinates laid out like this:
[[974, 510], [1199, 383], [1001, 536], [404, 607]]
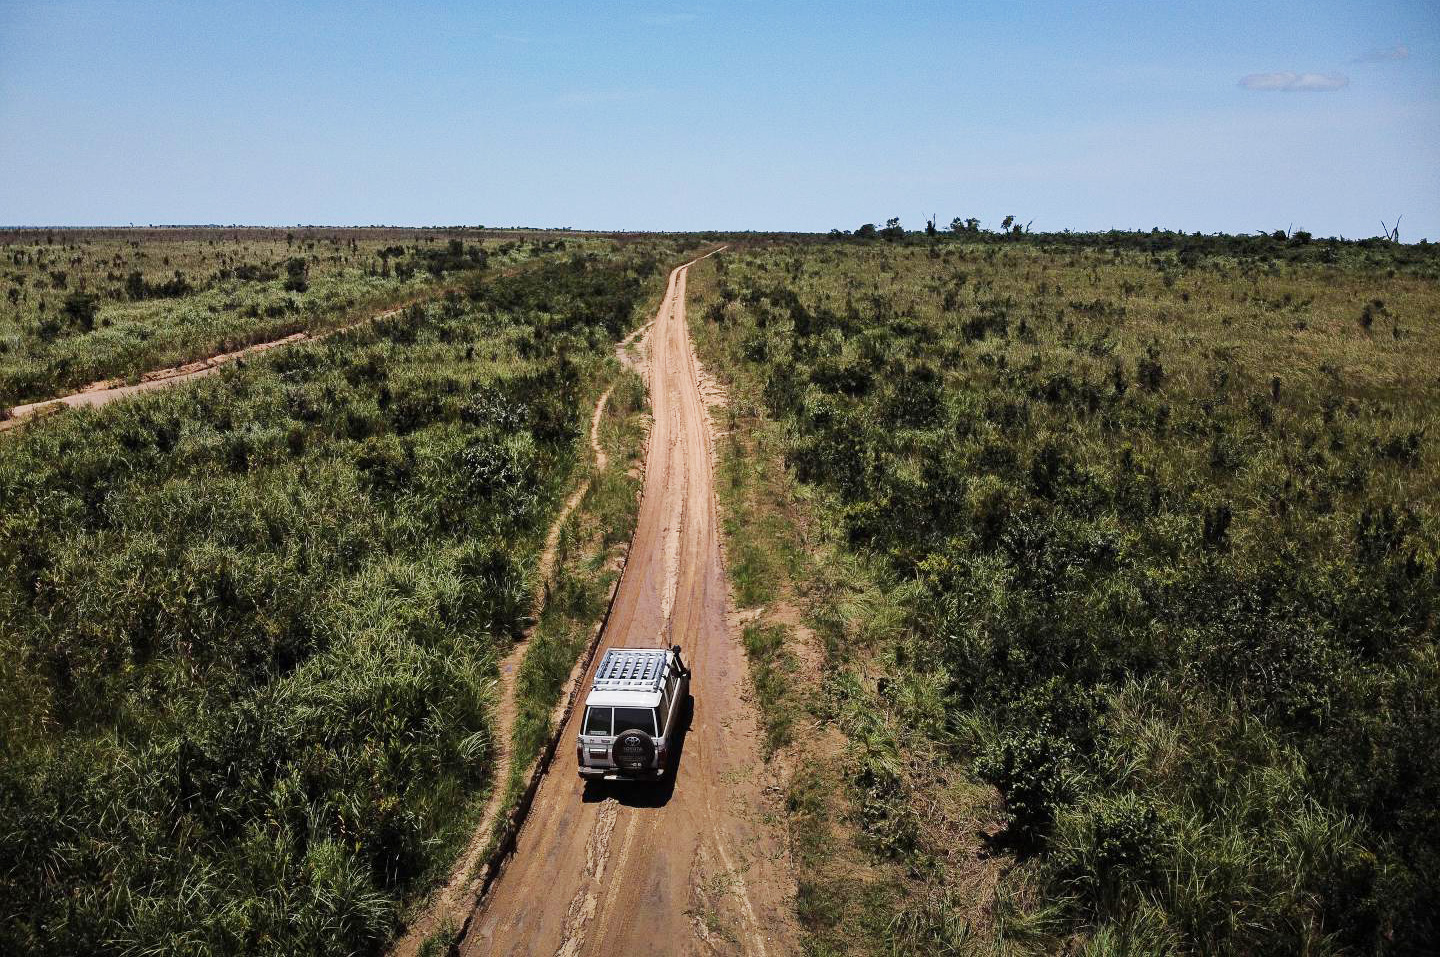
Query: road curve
[[700, 865]]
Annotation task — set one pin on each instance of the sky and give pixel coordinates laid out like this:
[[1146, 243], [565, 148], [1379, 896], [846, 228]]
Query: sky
[[1230, 115]]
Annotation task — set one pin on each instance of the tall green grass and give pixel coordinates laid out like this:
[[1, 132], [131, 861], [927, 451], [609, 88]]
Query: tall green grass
[[1149, 539], [155, 299], [249, 627]]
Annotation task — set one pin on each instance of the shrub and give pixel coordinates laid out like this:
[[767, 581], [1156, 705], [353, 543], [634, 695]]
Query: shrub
[[297, 274], [80, 308]]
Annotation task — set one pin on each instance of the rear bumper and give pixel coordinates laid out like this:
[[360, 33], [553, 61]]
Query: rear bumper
[[612, 774]]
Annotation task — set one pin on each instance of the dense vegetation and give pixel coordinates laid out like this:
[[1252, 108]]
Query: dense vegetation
[[248, 628], [86, 305], [1144, 534]]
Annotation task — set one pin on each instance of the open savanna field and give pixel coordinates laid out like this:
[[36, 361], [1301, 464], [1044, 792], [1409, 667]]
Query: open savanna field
[[250, 626], [81, 306], [1088, 586], [1099, 582]]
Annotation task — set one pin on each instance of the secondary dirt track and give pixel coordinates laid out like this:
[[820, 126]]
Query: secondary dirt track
[[110, 390], [699, 864], [107, 391]]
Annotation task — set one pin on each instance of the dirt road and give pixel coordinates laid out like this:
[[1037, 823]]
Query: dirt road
[[698, 865]]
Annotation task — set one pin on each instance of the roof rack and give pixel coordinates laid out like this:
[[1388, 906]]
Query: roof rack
[[632, 669]]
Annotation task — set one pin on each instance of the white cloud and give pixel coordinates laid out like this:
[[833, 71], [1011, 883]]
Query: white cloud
[[1296, 82], [1398, 52]]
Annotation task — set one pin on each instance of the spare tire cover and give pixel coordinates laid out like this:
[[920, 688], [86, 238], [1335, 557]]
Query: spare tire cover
[[633, 751]]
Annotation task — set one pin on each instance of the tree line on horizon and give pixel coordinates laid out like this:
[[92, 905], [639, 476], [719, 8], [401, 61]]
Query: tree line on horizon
[[1011, 227]]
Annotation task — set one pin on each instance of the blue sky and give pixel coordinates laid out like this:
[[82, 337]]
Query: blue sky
[[740, 115]]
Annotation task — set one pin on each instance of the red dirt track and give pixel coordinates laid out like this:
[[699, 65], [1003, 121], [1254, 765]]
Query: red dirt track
[[697, 865]]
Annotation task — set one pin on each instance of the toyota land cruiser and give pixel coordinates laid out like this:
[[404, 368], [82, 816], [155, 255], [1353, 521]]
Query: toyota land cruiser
[[633, 714]]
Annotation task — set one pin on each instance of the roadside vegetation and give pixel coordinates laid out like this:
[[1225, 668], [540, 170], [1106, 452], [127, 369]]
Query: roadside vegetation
[[589, 556], [81, 306], [249, 627], [1101, 575]]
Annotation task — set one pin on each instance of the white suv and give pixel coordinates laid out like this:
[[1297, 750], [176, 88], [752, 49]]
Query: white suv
[[634, 714]]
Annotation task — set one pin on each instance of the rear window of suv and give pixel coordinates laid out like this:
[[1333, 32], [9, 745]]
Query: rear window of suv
[[642, 719], [597, 721]]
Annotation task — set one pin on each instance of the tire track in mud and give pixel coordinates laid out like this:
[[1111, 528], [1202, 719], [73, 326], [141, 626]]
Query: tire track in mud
[[582, 907]]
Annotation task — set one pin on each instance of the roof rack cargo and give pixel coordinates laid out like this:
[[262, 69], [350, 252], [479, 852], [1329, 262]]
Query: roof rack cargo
[[631, 669]]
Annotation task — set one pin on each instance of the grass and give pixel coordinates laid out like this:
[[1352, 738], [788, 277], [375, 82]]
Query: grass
[[590, 546], [1095, 578], [87, 305], [772, 671], [439, 943], [1119, 555], [250, 626], [809, 682], [585, 571], [763, 554]]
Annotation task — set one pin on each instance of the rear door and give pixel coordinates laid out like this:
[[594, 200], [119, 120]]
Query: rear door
[[596, 734]]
